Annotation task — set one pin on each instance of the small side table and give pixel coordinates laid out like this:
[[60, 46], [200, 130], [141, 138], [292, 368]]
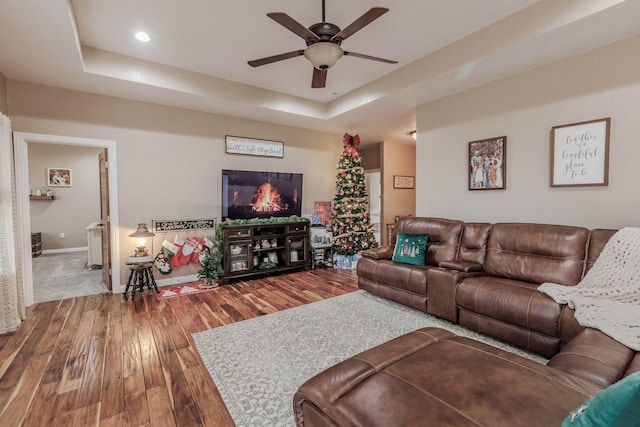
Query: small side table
[[140, 275]]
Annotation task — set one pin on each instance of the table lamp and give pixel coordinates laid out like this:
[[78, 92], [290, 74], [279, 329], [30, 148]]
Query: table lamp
[[140, 234]]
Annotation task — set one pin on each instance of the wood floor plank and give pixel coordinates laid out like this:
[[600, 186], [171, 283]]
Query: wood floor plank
[[58, 357], [200, 382], [42, 405], [13, 372], [91, 387], [64, 409], [87, 416], [160, 409], [112, 383], [103, 360], [135, 403], [18, 403], [182, 404]]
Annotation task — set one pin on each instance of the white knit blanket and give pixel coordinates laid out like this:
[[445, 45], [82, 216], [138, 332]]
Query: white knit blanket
[[608, 298]]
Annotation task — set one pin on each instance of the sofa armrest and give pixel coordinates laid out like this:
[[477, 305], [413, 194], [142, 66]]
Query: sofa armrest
[[594, 356], [465, 266], [441, 291], [383, 252]]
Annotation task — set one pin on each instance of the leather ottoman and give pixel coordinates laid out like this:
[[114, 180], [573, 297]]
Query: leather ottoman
[[433, 377]]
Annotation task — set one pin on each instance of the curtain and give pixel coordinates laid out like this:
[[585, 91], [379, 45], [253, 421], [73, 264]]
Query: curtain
[[12, 310]]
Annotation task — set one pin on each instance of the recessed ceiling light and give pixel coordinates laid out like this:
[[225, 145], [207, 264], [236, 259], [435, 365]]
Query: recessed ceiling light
[[142, 36]]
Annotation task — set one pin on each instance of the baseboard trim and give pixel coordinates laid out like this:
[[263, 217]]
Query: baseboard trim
[[64, 250]]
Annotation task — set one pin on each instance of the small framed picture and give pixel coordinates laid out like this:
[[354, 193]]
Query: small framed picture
[[403, 181], [320, 236], [487, 164], [59, 177], [273, 257]]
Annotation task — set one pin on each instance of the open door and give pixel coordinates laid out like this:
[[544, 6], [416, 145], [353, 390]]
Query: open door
[[105, 219]]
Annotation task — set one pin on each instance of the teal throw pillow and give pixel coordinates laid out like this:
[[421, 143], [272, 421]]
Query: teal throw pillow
[[410, 248], [616, 406]]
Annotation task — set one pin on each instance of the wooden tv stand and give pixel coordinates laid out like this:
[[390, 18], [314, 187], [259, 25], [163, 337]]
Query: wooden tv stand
[[264, 247]]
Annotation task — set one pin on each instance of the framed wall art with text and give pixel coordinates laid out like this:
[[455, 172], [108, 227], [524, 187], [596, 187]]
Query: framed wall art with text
[[580, 154]]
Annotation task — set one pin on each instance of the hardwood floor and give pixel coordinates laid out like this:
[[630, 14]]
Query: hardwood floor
[[102, 360]]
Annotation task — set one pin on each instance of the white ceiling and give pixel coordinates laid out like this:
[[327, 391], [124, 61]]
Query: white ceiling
[[198, 54]]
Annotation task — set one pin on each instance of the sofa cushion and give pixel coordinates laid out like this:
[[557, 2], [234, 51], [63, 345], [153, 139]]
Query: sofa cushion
[[406, 277], [410, 248], [510, 301], [473, 244], [616, 406], [444, 236], [537, 253]]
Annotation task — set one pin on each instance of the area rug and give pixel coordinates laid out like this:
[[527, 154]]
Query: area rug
[[182, 289], [258, 364]]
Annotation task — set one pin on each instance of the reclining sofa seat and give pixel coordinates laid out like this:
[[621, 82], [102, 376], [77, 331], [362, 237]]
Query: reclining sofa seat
[[504, 302], [405, 283]]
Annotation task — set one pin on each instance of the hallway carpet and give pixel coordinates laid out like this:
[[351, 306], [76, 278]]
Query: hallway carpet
[[65, 275]]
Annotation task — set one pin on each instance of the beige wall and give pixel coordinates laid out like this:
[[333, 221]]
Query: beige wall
[[602, 83], [169, 159], [75, 207], [3, 94], [397, 159]]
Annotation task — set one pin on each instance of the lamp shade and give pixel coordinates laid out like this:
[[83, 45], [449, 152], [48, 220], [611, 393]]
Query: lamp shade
[[323, 55], [142, 231]]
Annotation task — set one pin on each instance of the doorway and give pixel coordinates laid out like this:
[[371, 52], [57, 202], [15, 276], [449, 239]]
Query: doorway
[[21, 141], [374, 190]]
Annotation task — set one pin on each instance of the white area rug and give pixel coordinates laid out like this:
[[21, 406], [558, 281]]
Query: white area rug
[[258, 364]]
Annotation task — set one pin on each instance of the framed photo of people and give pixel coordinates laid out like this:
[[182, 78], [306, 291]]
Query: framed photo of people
[[59, 177], [487, 164]]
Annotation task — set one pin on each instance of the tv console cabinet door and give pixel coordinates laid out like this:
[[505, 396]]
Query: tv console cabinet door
[[238, 258]]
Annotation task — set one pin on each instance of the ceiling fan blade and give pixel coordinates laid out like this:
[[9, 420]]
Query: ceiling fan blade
[[276, 58], [292, 25], [319, 78], [358, 24], [373, 58]]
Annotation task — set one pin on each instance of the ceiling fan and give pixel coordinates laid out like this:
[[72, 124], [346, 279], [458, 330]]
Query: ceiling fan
[[323, 42]]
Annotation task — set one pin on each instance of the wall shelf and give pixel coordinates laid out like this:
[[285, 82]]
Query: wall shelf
[[42, 197]]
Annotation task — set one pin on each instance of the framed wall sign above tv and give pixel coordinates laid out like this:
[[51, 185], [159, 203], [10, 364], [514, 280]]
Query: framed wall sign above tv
[[253, 147], [255, 194]]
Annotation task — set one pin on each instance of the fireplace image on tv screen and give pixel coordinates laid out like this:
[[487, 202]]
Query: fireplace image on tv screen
[[251, 194]]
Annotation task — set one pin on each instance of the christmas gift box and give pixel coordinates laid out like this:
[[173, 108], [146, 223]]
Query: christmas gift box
[[348, 262], [343, 261], [354, 261]]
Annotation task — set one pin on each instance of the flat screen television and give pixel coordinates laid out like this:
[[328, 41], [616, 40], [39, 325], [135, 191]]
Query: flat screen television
[[253, 194]]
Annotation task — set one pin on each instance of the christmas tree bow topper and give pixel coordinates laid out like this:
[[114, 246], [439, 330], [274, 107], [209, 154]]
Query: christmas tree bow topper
[[351, 144]]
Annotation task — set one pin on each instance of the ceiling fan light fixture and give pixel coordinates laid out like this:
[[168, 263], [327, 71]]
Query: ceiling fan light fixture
[[323, 55]]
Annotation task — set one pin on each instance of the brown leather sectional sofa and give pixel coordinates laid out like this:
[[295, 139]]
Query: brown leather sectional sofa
[[485, 277]]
